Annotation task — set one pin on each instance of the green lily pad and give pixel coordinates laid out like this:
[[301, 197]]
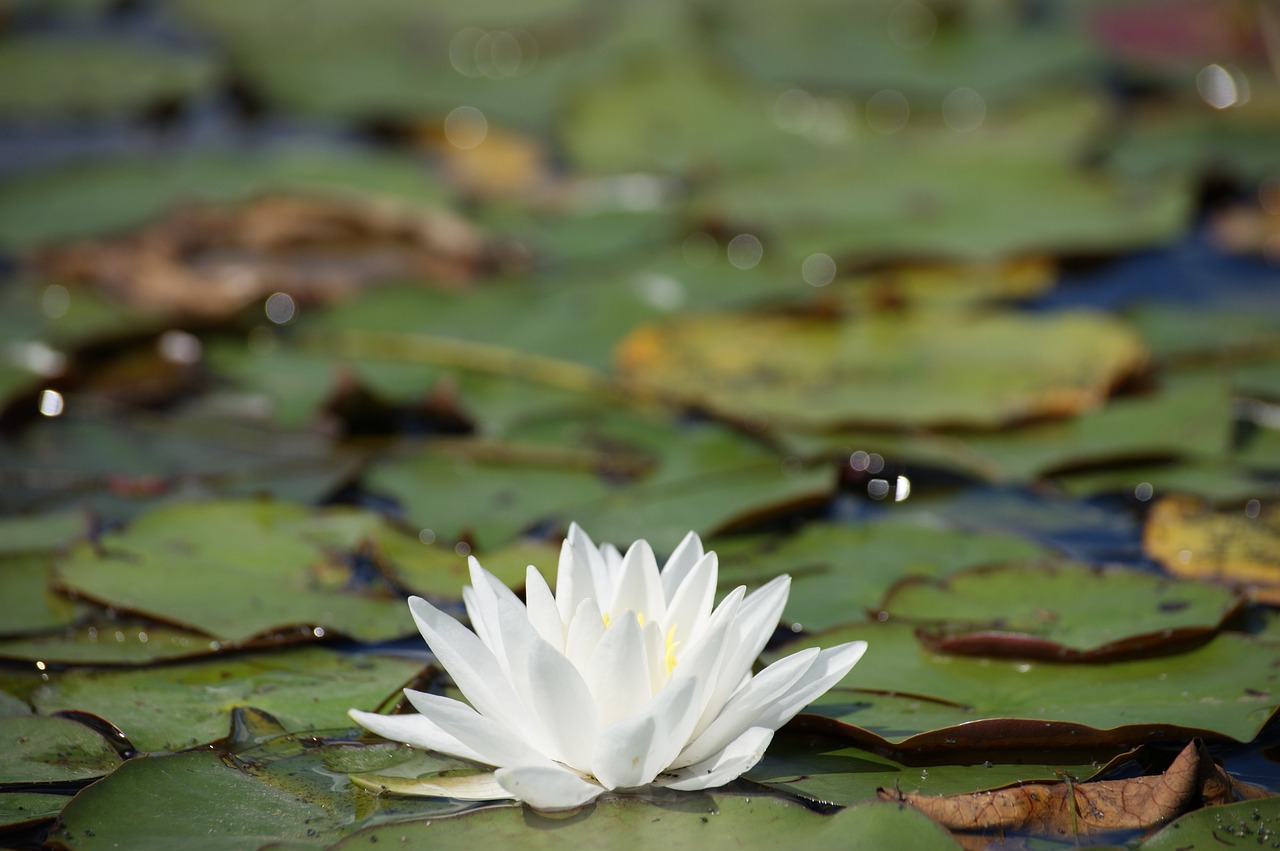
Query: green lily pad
[[52, 750], [166, 707], [76, 77], [1253, 822], [904, 696], [948, 204], [839, 572], [42, 532], [691, 822], [1218, 481], [28, 605], [1060, 611], [235, 570], [109, 195], [105, 641], [436, 572], [981, 371], [12, 705], [23, 810], [828, 773]]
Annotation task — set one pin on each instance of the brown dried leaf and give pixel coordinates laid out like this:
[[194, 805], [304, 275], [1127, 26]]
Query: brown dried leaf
[[210, 261], [1069, 809]]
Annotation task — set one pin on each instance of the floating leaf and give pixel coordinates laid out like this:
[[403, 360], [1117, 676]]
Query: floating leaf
[[1241, 548], [27, 604], [21, 811], [235, 570], [919, 370], [166, 707], [52, 750], [719, 821], [839, 572], [1210, 828], [77, 77], [1060, 611], [1071, 810], [909, 699], [108, 641]]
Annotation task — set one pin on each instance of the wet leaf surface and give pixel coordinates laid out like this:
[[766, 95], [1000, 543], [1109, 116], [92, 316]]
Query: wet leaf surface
[[1060, 612], [52, 750], [167, 707], [914, 700], [1215, 827], [22, 810]]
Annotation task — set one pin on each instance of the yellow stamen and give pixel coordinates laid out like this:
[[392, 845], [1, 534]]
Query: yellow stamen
[[672, 644]]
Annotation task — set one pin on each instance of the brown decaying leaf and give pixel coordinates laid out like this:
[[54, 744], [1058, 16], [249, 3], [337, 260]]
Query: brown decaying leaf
[[210, 261], [1069, 809], [1192, 539], [1018, 645]]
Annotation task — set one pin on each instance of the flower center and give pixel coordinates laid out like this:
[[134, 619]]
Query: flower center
[[671, 642]]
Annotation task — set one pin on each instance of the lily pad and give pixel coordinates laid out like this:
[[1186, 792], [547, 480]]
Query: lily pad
[[1212, 827], [24, 810], [1239, 546], [52, 750], [840, 572], [693, 822], [981, 371], [282, 565], [106, 641], [43, 532], [912, 700], [75, 77], [1060, 611], [832, 774], [166, 707], [28, 605]]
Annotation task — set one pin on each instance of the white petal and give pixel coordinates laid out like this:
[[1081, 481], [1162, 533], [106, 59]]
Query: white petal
[[547, 789], [583, 635], [632, 751], [655, 652], [485, 625], [690, 608], [543, 613], [564, 706], [473, 667], [573, 580], [618, 674], [747, 705], [638, 587], [829, 668], [495, 744], [592, 562], [414, 730], [729, 764], [751, 630], [686, 555]]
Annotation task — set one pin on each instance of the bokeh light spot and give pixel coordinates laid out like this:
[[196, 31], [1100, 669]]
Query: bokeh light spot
[[818, 270], [745, 251], [887, 111], [964, 110], [281, 308], [465, 127]]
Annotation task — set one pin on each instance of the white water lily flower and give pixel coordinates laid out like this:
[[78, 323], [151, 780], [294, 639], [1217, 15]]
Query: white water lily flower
[[624, 678]]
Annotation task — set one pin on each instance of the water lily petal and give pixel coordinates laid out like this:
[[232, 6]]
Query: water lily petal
[[740, 756], [548, 789], [592, 562], [618, 760], [687, 553], [828, 668], [543, 613], [638, 588], [472, 665], [414, 730], [563, 704], [750, 631], [583, 635], [482, 786], [690, 608], [618, 674], [745, 708], [495, 743], [573, 579]]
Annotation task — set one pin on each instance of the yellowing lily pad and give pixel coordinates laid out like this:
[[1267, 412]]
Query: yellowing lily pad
[[167, 707], [1239, 545], [1060, 612], [974, 370]]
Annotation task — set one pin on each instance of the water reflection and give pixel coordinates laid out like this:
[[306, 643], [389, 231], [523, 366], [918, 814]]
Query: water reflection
[[1222, 87], [51, 403]]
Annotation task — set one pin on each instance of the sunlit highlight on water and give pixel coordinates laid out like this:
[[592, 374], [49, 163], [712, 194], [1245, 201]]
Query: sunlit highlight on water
[[1144, 491], [878, 488], [281, 308], [662, 291], [462, 548], [180, 347], [901, 489], [1222, 87], [869, 462], [1252, 509], [465, 127], [745, 251], [51, 403], [427, 536], [818, 270], [38, 357]]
